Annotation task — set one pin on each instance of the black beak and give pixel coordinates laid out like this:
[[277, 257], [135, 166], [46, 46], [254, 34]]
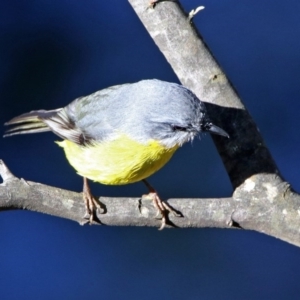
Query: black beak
[[211, 128]]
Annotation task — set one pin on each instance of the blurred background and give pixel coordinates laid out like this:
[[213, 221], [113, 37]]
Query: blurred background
[[52, 52]]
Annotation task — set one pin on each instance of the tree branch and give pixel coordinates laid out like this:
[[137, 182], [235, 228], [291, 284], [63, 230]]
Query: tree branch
[[20, 194], [262, 201], [267, 204]]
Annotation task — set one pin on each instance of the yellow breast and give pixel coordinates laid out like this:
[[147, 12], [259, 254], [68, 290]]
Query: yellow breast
[[117, 162]]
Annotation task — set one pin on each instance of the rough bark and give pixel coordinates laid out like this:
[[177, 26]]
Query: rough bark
[[266, 202], [261, 201], [20, 194]]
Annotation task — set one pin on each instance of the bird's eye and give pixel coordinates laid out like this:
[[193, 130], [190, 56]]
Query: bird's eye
[[178, 128]]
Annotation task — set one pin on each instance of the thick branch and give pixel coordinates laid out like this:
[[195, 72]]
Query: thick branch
[[245, 153], [20, 194], [262, 200], [268, 205], [277, 220]]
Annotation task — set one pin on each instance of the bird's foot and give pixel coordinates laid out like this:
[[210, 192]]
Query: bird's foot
[[92, 205], [163, 208]]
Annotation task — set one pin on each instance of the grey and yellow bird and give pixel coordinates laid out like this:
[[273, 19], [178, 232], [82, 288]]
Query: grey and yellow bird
[[122, 134]]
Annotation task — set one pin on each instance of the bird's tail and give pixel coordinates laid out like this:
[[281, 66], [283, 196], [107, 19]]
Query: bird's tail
[[31, 122]]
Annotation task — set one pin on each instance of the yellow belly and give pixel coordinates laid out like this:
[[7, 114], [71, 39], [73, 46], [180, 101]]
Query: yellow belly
[[117, 162]]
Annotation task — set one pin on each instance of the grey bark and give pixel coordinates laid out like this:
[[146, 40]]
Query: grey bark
[[266, 203], [261, 201]]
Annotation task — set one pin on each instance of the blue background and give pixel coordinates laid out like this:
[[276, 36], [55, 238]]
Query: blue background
[[54, 51]]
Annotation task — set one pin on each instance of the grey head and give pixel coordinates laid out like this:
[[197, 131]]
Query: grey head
[[146, 110]]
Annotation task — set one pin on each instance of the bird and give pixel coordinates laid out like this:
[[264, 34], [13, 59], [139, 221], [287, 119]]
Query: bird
[[122, 134]]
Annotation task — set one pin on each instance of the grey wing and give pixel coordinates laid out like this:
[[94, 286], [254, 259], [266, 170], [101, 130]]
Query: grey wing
[[36, 121], [94, 115]]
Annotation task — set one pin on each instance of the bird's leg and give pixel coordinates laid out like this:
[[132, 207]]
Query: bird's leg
[[91, 204], [162, 207]]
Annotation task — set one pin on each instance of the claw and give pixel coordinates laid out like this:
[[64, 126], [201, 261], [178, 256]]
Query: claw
[[92, 206], [163, 208]]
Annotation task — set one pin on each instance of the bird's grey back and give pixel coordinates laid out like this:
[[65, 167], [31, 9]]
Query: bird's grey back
[[143, 110]]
